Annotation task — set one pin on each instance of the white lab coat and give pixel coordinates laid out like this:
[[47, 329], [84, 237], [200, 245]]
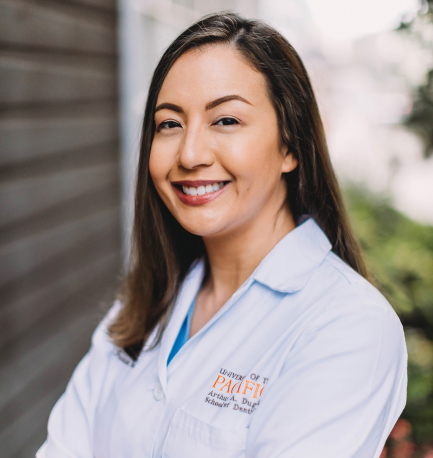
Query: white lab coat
[[305, 360]]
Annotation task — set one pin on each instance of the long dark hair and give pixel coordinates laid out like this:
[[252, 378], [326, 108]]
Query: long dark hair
[[162, 251]]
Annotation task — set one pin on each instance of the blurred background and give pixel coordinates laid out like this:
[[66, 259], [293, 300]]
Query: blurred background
[[73, 82]]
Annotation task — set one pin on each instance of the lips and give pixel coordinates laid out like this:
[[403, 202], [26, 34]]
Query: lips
[[198, 192]]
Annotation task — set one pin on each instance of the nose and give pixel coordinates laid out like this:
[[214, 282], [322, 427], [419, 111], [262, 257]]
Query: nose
[[195, 150]]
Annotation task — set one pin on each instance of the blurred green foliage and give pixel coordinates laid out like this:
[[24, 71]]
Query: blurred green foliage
[[399, 253], [420, 120]]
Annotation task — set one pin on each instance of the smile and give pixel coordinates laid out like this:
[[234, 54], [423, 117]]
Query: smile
[[201, 190], [193, 193]]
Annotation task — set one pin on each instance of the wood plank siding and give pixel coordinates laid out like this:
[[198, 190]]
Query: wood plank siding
[[59, 201]]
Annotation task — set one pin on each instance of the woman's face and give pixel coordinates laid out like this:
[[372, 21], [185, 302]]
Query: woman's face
[[215, 158]]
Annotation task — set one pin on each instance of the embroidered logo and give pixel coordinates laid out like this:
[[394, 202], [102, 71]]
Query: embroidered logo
[[235, 391]]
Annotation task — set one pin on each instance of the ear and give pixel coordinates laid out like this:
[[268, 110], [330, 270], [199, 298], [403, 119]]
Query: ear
[[289, 163]]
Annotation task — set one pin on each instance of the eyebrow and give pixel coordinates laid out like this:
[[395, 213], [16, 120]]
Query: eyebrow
[[224, 99], [209, 106]]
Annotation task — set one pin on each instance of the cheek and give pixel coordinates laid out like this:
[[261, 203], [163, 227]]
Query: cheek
[[255, 160], [157, 166]]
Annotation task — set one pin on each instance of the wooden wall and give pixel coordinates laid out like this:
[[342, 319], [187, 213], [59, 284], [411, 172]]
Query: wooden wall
[[59, 200]]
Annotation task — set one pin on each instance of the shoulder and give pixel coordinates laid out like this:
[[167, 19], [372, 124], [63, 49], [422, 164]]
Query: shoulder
[[343, 286], [348, 308]]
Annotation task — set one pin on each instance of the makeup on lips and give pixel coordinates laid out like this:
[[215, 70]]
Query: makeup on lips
[[198, 192]]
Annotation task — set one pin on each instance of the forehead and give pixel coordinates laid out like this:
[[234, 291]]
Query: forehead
[[210, 72]]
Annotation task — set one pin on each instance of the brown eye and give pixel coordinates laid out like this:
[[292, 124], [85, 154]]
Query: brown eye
[[168, 125], [226, 122]]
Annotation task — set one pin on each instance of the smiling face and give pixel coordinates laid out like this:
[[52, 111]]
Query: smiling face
[[216, 160]]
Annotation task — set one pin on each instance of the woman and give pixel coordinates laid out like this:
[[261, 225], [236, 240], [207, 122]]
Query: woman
[[246, 326]]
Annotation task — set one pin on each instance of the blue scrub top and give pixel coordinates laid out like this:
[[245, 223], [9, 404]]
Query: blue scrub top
[[183, 335]]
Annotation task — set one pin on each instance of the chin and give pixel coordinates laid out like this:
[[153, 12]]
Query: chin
[[202, 228], [199, 230]]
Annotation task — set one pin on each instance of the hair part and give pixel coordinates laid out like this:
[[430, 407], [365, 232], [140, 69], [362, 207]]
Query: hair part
[[162, 251]]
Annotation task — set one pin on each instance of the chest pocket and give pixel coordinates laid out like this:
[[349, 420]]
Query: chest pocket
[[190, 437]]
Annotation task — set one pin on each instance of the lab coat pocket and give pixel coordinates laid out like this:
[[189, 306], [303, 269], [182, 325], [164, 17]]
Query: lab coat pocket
[[191, 437]]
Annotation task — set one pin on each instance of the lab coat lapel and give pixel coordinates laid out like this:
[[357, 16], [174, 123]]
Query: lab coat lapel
[[189, 289]]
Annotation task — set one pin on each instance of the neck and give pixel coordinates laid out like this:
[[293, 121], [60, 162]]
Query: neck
[[233, 257]]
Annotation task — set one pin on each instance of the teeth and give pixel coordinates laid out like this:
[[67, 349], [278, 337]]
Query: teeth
[[200, 190]]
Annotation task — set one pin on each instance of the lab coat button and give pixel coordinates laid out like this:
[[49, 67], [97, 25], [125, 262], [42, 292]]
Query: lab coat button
[[158, 394]]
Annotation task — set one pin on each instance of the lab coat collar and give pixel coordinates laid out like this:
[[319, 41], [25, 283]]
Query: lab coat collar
[[187, 293], [288, 266]]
